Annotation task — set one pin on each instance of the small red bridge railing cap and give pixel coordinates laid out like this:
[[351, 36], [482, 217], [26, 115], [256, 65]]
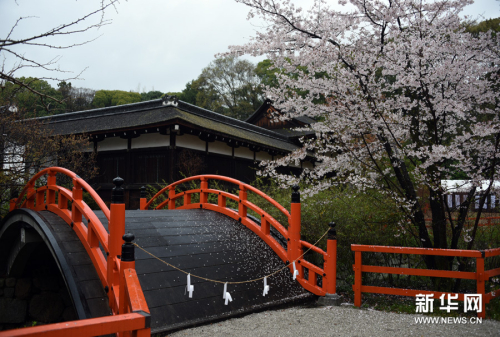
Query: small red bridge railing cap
[[147, 324], [117, 194], [128, 249], [295, 194], [332, 232]]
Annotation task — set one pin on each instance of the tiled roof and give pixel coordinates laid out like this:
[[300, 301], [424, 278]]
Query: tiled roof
[[153, 112], [268, 104]]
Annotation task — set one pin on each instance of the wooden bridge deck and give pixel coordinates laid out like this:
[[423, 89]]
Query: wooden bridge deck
[[93, 297], [207, 244]]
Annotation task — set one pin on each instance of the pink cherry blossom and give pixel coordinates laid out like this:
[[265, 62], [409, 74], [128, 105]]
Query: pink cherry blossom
[[410, 98]]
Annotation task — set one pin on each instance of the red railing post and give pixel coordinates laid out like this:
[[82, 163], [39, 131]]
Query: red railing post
[[480, 283], [76, 215], [12, 204], [265, 227], [294, 246], [221, 201], [143, 201], [39, 197], [92, 238], [242, 209], [127, 262], [171, 195], [203, 187], [187, 199], [62, 201], [330, 265], [30, 202], [51, 194], [330, 270], [77, 190], [357, 278], [116, 230]]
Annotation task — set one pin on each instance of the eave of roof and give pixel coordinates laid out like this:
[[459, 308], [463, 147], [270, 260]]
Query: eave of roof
[[266, 105], [153, 113], [293, 134], [305, 119], [253, 117]]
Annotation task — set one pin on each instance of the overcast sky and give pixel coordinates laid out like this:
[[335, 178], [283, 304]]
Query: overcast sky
[[150, 44]]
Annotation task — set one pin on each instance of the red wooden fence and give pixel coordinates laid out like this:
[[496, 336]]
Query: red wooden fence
[[480, 275]]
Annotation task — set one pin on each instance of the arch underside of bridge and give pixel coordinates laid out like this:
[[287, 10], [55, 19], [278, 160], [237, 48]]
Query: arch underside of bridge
[[201, 242], [24, 231]]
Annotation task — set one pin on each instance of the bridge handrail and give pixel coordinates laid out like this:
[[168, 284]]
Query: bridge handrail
[[79, 181], [45, 199], [116, 271], [292, 254], [103, 246], [217, 177]]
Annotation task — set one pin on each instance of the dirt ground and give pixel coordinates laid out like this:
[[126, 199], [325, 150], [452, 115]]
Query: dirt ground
[[341, 321]]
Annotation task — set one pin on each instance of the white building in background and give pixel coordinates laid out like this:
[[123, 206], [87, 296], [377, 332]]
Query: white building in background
[[456, 191]]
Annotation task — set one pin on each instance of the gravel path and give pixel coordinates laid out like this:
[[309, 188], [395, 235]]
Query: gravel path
[[338, 321]]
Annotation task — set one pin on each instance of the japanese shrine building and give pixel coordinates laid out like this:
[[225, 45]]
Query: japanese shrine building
[[153, 142]]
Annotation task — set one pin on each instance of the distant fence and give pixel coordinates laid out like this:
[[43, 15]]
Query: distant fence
[[480, 275]]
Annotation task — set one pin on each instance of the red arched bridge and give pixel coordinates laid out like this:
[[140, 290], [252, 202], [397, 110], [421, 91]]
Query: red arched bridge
[[184, 249]]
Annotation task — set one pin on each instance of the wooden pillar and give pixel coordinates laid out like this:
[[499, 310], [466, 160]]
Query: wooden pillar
[[357, 278], [143, 200], [330, 265], [116, 230], [172, 158], [51, 194], [294, 247], [480, 283], [242, 209], [203, 187], [128, 171], [127, 262]]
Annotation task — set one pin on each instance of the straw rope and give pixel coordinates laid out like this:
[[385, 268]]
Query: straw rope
[[239, 282]]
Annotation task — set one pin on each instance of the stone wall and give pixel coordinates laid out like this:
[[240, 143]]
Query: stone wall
[[39, 296]]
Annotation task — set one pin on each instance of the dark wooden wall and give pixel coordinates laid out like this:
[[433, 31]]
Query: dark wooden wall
[[161, 166]]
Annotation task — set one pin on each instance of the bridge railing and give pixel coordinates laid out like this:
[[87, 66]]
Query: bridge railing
[[308, 272], [104, 249], [480, 275], [92, 234]]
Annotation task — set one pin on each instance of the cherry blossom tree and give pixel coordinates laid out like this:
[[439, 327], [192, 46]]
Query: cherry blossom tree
[[410, 100]]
